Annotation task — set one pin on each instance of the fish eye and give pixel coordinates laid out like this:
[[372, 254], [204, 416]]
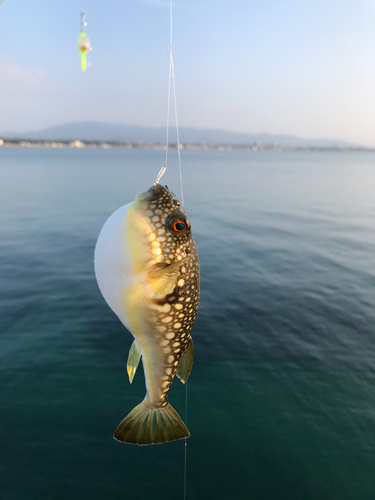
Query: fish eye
[[178, 225]]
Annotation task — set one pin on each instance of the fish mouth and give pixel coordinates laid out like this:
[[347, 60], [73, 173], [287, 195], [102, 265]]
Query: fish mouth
[[158, 194], [154, 193]]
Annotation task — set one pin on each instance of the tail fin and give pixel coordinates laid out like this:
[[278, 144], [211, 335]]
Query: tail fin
[[145, 425]]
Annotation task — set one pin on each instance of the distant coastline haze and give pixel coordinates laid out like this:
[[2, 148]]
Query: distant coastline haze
[[122, 133]]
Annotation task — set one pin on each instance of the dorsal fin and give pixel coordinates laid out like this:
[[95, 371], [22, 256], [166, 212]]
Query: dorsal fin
[[186, 363]]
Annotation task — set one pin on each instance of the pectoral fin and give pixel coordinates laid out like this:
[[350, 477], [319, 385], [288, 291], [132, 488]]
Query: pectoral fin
[[163, 277], [186, 363], [133, 359]]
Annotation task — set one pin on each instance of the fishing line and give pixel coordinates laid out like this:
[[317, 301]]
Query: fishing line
[[172, 82], [168, 113], [185, 447]]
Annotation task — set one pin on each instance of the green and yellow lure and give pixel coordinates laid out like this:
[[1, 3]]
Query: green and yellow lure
[[84, 44]]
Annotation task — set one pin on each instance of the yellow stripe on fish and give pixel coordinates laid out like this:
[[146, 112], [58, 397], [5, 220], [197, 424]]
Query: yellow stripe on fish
[[147, 268]]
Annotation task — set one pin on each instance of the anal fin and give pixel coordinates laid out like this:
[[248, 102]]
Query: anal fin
[[135, 354], [186, 363]]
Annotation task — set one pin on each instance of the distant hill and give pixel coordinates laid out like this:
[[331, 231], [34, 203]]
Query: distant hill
[[113, 132]]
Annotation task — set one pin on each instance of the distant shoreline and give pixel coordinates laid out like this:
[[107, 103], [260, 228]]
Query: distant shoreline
[[257, 146]]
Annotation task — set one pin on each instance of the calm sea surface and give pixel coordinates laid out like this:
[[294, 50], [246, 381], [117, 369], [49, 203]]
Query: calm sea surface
[[281, 398]]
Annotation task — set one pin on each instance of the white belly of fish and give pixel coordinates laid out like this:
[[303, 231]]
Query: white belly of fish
[[114, 268]]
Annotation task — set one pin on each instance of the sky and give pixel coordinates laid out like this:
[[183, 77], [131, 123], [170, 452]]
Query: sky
[[300, 67]]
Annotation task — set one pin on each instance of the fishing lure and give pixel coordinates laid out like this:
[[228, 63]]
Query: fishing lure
[[147, 268], [84, 44]]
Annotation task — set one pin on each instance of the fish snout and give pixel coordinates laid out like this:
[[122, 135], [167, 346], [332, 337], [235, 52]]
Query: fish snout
[[155, 191], [152, 194]]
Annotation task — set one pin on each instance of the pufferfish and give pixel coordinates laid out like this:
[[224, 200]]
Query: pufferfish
[[147, 268]]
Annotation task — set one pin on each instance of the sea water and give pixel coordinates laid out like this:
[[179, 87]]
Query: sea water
[[281, 398]]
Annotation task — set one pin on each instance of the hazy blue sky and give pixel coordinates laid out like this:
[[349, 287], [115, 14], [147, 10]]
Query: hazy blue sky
[[303, 67]]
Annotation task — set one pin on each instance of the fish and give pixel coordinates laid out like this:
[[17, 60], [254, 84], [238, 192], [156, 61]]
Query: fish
[[147, 268]]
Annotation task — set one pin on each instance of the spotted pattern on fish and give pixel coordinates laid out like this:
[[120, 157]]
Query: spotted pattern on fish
[[172, 316]]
